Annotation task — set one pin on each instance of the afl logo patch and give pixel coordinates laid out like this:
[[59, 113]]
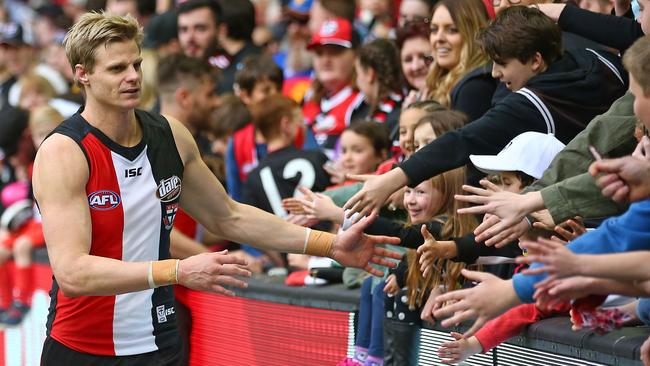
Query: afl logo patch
[[169, 189], [103, 200]]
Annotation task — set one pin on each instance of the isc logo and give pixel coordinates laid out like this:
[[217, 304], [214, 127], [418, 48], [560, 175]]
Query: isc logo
[[133, 172], [103, 200]]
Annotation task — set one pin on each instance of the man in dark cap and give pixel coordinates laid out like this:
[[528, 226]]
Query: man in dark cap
[[11, 42], [161, 34], [13, 123]]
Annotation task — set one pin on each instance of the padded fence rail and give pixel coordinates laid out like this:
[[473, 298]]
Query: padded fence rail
[[269, 324], [239, 331]]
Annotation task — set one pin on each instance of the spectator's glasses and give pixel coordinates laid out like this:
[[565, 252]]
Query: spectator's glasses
[[511, 2]]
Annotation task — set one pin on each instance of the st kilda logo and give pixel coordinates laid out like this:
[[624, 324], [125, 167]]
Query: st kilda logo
[[169, 189]]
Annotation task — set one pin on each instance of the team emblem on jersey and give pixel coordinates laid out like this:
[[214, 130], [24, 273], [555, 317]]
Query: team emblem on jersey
[[103, 200], [325, 123], [169, 215], [169, 189]]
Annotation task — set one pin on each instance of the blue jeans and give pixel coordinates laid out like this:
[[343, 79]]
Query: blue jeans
[[370, 329], [643, 310]]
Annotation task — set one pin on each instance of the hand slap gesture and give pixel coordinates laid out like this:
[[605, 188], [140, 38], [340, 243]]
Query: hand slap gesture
[[487, 300], [353, 248], [508, 211], [428, 252]]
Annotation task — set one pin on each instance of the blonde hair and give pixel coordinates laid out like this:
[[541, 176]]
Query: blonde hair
[[93, 30], [454, 225], [45, 114], [469, 16]]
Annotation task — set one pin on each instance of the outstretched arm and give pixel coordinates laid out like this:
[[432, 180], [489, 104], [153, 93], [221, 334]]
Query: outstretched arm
[[487, 135], [205, 199], [559, 261]]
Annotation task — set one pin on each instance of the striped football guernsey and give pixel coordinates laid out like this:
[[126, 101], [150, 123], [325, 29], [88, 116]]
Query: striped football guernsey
[[133, 195]]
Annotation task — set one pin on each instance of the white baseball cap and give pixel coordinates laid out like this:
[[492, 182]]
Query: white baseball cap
[[530, 152]]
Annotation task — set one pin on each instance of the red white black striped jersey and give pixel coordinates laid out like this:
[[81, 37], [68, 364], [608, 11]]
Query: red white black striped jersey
[[133, 196]]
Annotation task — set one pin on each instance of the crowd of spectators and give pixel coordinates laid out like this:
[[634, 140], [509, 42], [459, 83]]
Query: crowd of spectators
[[487, 134]]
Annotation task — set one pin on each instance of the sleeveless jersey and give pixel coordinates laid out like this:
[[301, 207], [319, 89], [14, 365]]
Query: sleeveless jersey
[[133, 196]]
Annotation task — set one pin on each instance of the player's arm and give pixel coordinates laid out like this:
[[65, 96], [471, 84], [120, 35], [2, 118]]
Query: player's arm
[[59, 179], [60, 176], [204, 198]]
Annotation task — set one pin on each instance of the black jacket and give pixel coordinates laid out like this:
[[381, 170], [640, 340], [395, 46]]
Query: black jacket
[[609, 30], [562, 101], [473, 93]]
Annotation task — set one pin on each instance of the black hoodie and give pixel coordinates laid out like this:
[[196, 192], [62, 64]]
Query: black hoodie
[[561, 101]]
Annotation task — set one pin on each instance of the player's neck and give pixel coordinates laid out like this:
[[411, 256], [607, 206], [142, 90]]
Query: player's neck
[[120, 126]]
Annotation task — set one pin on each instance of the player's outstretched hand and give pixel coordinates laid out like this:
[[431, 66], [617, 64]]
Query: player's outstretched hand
[[353, 248]]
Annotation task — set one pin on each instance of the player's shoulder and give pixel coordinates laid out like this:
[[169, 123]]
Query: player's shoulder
[[60, 162], [60, 146]]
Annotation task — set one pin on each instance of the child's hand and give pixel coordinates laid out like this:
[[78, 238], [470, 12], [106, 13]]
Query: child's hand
[[460, 349], [432, 250], [337, 175], [571, 229], [396, 200], [302, 220], [391, 287], [410, 98], [293, 206], [544, 220], [430, 306], [319, 206], [553, 294], [557, 259]]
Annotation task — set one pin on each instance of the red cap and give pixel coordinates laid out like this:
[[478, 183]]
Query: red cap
[[337, 32]]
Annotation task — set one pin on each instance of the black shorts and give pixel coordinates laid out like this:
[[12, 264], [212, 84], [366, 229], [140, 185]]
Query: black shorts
[[56, 354]]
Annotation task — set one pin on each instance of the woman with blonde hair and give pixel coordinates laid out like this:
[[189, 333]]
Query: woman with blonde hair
[[460, 76]]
